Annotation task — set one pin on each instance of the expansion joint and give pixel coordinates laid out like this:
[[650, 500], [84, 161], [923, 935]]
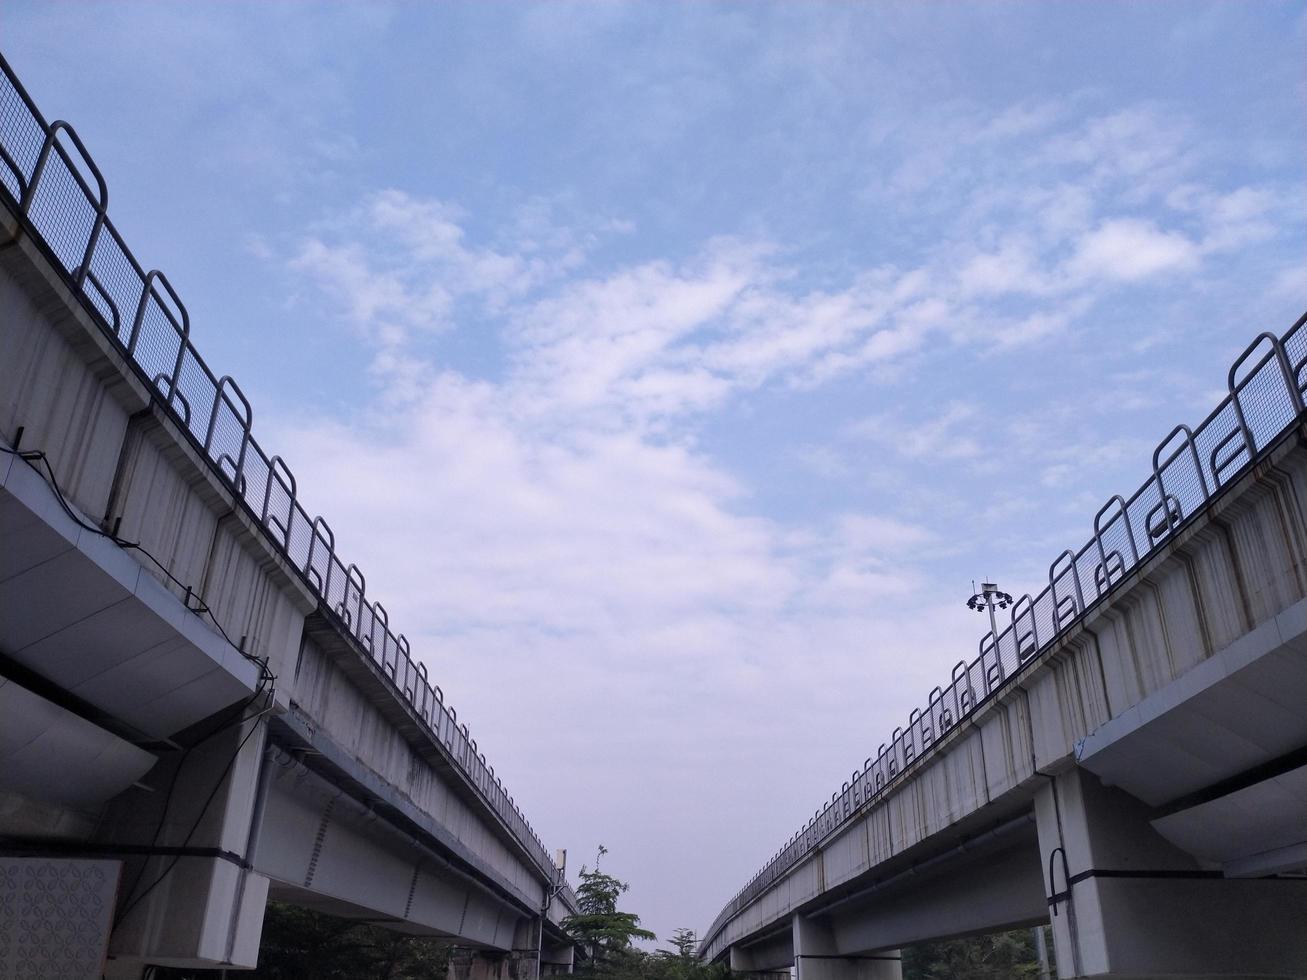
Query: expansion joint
[[318, 841]]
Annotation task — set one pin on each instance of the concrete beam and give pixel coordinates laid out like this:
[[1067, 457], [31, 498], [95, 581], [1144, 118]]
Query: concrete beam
[[95, 624], [314, 837], [1236, 710], [817, 956], [772, 954], [998, 888], [94, 764]]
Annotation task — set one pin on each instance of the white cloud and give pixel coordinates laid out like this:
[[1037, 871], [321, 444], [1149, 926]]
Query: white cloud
[[1013, 268], [571, 482], [1145, 147], [1131, 249], [946, 436]]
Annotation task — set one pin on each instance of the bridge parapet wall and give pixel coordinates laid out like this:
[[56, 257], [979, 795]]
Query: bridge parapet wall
[[56, 391]]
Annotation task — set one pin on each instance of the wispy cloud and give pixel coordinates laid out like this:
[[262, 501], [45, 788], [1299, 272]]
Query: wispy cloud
[[672, 371]]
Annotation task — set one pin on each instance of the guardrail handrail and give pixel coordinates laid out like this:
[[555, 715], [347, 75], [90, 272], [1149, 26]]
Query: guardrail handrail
[[70, 219], [1260, 406]]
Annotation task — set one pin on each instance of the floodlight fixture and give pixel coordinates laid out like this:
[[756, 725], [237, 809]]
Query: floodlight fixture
[[987, 599]]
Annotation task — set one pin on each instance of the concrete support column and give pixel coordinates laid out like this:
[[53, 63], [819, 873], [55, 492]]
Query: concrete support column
[[523, 962], [192, 902], [534, 955], [556, 958], [740, 961], [816, 956], [1126, 903], [466, 963]]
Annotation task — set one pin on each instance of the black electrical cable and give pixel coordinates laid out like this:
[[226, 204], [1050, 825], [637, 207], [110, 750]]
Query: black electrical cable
[[238, 718], [267, 680], [32, 456]]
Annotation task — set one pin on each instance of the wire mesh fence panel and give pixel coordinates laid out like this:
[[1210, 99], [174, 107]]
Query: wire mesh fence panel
[[21, 135], [1222, 447], [1266, 403], [113, 285], [302, 536], [157, 344], [60, 212], [1295, 349], [195, 394]]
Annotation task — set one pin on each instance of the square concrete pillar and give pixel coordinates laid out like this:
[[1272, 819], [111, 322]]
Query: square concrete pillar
[[1124, 902], [194, 903], [816, 956], [556, 959], [466, 963]]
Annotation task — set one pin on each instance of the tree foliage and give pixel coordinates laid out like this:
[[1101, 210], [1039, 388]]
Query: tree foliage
[[299, 943], [608, 937], [606, 934], [999, 956]]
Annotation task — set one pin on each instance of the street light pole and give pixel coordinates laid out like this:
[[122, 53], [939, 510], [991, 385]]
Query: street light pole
[[989, 598]]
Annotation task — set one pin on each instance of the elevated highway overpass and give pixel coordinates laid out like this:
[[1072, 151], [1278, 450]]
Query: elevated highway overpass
[[201, 705], [1126, 759]]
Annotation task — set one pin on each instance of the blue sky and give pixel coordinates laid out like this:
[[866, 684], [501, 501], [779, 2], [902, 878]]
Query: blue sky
[[672, 370]]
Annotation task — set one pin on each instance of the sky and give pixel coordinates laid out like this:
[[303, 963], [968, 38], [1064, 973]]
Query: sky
[[673, 370]]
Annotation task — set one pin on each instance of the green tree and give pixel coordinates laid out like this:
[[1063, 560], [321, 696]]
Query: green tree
[[999, 956], [681, 963], [606, 934], [684, 943]]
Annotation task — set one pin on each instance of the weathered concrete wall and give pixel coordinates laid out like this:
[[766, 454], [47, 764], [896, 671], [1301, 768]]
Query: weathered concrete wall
[[323, 693], [166, 497], [57, 382]]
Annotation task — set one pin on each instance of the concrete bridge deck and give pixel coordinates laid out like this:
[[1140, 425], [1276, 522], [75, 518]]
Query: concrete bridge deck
[[200, 704], [1127, 759]]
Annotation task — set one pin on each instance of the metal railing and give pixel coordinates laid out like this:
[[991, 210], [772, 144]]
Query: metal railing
[[147, 320], [1266, 388]]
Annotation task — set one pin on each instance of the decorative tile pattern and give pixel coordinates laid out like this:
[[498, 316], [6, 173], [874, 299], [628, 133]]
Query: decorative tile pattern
[[55, 916]]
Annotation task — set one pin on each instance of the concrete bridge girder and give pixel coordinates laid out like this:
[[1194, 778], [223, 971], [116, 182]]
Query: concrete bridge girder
[[105, 658], [96, 625], [316, 839], [1188, 688]]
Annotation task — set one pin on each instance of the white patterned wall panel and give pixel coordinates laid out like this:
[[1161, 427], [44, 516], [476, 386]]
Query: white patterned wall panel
[[55, 916]]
